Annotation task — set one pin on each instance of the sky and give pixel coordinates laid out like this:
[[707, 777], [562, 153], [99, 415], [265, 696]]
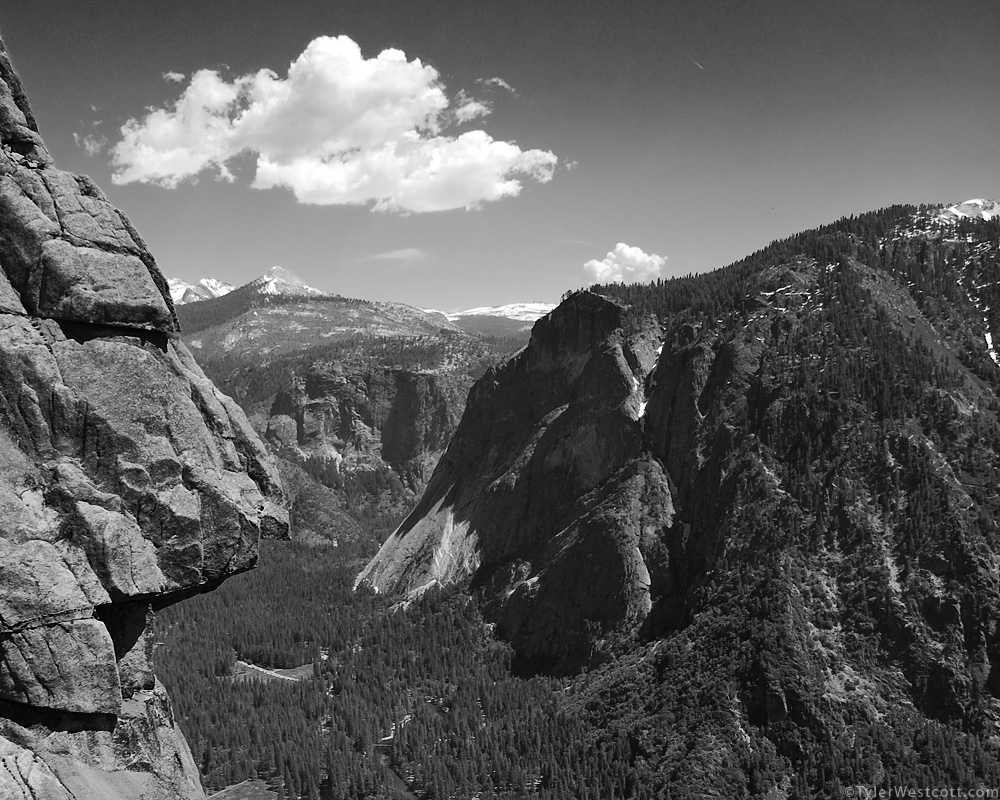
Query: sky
[[456, 154]]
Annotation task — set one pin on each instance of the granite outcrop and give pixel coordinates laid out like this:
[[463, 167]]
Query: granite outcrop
[[533, 501], [128, 482]]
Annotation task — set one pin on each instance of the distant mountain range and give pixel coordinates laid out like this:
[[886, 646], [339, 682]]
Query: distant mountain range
[[357, 399], [502, 321], [522, 312], [182, 292], [508, 321], [277, 281]]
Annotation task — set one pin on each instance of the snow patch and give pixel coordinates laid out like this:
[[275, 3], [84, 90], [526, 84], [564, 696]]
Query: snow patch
[[973, 209], [989, 347], [522, 312]]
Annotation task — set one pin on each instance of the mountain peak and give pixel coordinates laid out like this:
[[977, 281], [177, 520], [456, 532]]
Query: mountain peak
[[182, 292], [278, 280]]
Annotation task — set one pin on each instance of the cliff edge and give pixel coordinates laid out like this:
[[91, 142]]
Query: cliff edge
[[533, 502], [128, 482]]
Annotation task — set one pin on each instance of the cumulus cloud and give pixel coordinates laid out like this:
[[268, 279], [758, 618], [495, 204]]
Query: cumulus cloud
[[174, 77], [339, 129], [625, 264]]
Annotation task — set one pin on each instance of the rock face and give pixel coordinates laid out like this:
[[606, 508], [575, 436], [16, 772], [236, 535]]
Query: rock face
[[536, 496], [786, 469], [360, 440], [336, 420], [128, 482]]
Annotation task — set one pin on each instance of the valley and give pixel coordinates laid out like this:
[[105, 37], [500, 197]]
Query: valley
[[356, 399], [738, 580], [692, 532]]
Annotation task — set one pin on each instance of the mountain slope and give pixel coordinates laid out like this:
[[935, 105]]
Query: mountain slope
[[772, 487], [357, 399], [253, 319]]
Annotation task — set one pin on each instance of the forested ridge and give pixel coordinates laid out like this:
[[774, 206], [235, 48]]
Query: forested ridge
[[830, 617], [884, 239]]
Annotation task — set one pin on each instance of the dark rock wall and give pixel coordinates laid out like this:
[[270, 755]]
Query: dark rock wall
[[534, 498], [619, 482], [128, 482]]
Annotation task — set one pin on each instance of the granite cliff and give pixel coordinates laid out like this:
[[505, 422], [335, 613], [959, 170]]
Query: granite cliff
[[538, 497], [773, 485], [129, 482], [336, 420]]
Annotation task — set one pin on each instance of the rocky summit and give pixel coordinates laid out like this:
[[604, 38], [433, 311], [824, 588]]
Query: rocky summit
[[760, 504], [128, 483]]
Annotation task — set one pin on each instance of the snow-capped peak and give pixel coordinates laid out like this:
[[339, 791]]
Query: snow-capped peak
[[182, 292], [974, 209], [279, 280], [215, 286], [522, 312]]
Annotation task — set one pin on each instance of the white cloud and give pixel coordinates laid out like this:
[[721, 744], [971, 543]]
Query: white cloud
[[170, 145], [90, 144], [413, 174], [625, 264], [403, 254], [174, 77], [468, 108], [339, 129], [500, 82]]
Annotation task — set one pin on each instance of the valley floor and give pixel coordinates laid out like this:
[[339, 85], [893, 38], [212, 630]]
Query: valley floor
[[420, 702]]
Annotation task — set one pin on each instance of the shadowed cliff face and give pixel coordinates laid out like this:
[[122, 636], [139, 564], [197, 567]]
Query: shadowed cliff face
[[801, 455], [534, 498], [127, 483]]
